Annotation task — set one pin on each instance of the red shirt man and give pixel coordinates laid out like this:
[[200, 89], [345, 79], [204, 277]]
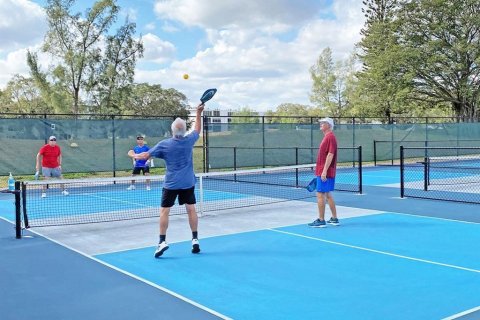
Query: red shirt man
[[51, 156], [325, 171]]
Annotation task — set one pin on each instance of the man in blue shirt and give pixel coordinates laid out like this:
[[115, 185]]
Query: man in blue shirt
[[180, 177], [140, 165]]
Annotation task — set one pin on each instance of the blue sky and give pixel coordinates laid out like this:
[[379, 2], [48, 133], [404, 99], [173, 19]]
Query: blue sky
[[256, 53]]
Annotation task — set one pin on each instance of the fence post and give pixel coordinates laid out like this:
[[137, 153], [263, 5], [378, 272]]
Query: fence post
[[375, 153], [263, 141], [113, 145], [426, 168], [46, 135], [402, 184], [296, 169], [360, 179], [311, 140], [392, 152], [206, 143], [235, 158]]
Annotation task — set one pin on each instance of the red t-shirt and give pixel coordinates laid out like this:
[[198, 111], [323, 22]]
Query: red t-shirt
[[328, 145], [50, 156]]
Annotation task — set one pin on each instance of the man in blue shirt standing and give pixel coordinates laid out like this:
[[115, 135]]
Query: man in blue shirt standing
[[140, 165], [180, 177]]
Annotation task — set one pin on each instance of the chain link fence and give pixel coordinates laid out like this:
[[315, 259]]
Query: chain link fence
[[99, 143], [440, 173]]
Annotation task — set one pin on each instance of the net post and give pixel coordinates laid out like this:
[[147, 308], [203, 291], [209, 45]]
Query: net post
[[18, 218], [24, 206], [360, 179], [402, 171]]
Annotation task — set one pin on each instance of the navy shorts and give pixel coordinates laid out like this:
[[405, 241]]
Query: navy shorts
[[325, 186], [144, 170], [185, 196]]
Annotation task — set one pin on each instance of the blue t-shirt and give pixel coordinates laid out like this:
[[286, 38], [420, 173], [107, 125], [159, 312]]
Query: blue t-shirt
[[178, 156], [141, 163]]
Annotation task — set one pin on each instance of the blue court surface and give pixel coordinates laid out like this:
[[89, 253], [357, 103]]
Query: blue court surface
[[386, 266], [402, 259]]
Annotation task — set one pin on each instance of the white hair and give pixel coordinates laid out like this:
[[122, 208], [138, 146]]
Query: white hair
[[179, 127]]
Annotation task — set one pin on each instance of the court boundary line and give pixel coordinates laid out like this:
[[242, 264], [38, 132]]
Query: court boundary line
[[461, 314], [377, 251], [374, 212], [165, 290], [434, 218]]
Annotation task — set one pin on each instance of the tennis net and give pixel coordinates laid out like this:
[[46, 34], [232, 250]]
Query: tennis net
[[46, 203]]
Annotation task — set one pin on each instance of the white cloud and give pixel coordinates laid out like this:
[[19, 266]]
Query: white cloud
[[266, 14], [22, 23], [254, 68], [241, 54], [156, 49], [15, 62], [130, 13], [150, 26], [169, 28]]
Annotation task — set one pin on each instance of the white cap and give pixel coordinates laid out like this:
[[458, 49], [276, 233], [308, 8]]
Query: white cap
[[52, 137], [327, 120]]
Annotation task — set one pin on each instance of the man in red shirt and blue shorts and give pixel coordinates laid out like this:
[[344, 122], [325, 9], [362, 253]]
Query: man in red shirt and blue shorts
[[325, 171], [51, 156]]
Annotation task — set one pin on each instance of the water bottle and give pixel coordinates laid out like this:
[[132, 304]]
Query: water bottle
[[11, 182]]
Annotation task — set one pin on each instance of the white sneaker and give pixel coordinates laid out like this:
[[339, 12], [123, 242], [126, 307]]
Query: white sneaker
[[65, 193], [132, 187], [44, 195], [162, 247], [148, 188], [195, 246]]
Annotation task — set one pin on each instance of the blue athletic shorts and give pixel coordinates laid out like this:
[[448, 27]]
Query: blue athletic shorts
[[325, 186]]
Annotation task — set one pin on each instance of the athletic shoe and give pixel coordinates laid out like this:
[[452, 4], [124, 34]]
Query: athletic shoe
[[65, 193], [333, 222], [132, 187], [195, 246], [162, 247], [44, 195], [148, 188], [318, 224]]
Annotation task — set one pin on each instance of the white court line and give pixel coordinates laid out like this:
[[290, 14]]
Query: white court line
[[117, 200], [372, 212], [185, 299], [461, 314], [434, 218], [378, 251]]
